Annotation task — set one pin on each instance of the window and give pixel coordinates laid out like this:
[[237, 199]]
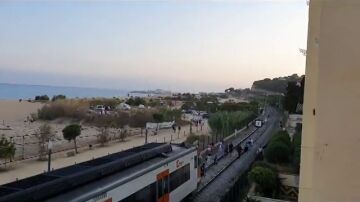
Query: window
[[195, 162], [179, 177], [147, 194], [163, 187]]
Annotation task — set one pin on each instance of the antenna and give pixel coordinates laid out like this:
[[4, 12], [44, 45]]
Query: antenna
[[303, 51]]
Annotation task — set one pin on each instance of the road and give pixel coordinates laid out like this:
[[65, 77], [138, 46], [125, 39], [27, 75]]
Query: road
[[215, 190]]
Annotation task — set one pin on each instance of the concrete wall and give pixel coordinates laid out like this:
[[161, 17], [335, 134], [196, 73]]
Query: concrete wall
[[330, 163]]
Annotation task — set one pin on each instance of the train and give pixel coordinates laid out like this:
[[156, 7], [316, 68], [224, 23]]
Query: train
[[154, 172]]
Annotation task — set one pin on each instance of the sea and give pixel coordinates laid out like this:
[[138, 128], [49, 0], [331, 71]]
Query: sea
[[23, 91]]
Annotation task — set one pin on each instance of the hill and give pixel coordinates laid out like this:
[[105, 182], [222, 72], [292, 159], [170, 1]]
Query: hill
[[276, 85]]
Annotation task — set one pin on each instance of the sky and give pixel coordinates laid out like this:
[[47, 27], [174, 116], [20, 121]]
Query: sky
[[173, 45]]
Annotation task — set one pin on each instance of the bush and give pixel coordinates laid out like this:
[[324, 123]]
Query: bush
[[63, 109], [158, 117], [265, 178], [192, 138], [112, 102], [136, 101], [264, 165], [124, 133], [103, 137], [242, 106], [277, 152], [58, 97], [140, 118], [7, 149], [42, 98], [282, 136], [297, 151], [170, 115], [225, 123], [44, 134]]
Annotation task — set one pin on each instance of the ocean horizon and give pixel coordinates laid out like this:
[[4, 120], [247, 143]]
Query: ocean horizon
[[27, 91]]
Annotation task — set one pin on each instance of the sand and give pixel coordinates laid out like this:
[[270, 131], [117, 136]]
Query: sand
[[13, 110]]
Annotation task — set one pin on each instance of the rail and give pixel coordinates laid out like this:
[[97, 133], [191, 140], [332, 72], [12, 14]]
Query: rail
[[232, 160]]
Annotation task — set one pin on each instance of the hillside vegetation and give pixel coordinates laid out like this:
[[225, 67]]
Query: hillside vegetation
[[276, 85]]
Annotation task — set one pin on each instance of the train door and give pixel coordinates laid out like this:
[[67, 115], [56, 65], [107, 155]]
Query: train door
[[163, 186]]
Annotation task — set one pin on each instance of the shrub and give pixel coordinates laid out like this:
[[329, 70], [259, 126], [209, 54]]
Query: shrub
[[225, 123], [282, 136], [192, 138], [44, 134], [140, 118], [63, 109], [170, 115], [112, 102], [70, 132], [297, 151], [42, 98], [33, 117], [123, 133], [136, 101], [264, 165], [7, 149], [242, 106], [58, 97], [104, 136], [277, 152], [265, 178], [158, 117]]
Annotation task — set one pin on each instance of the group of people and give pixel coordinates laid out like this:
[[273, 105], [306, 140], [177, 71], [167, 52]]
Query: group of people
[[247, 146], [174, 128], [213, 154]]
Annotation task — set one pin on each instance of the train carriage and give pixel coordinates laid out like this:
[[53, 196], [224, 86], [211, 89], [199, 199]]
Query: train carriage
[[151, 173]]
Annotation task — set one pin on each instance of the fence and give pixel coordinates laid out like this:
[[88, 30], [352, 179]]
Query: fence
[[239, 191]]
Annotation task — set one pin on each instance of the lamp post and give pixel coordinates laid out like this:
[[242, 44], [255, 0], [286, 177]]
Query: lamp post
[[50, 146]]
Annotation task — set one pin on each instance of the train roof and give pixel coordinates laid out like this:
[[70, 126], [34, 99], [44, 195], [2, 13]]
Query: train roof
[[121, 164]]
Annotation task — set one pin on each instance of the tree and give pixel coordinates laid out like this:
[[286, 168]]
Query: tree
[[282, 136], [277, 152], [70, 132], [158, 119], [140, 118], [292, 97], [44, 134], [265, 178], [7, 149], [225, 123]]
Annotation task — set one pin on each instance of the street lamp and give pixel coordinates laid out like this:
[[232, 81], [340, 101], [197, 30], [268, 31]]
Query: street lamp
[[50, 146]]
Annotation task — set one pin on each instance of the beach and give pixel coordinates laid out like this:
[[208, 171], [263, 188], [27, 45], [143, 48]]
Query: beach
[[13, 111]]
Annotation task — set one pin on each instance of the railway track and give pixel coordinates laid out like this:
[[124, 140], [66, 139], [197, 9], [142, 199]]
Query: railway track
[[256, 135]]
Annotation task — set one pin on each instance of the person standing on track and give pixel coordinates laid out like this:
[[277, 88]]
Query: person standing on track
[[239, 150]]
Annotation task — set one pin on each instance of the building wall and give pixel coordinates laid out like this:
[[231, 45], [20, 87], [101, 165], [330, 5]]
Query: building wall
[[330, 160]]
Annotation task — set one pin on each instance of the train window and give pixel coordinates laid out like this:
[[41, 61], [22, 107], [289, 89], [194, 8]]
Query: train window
[[147, 194], [195, 162], [179, 177], [163, 187]]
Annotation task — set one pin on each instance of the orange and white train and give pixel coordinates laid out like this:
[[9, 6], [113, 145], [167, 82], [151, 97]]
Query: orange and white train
[[151, 173]]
